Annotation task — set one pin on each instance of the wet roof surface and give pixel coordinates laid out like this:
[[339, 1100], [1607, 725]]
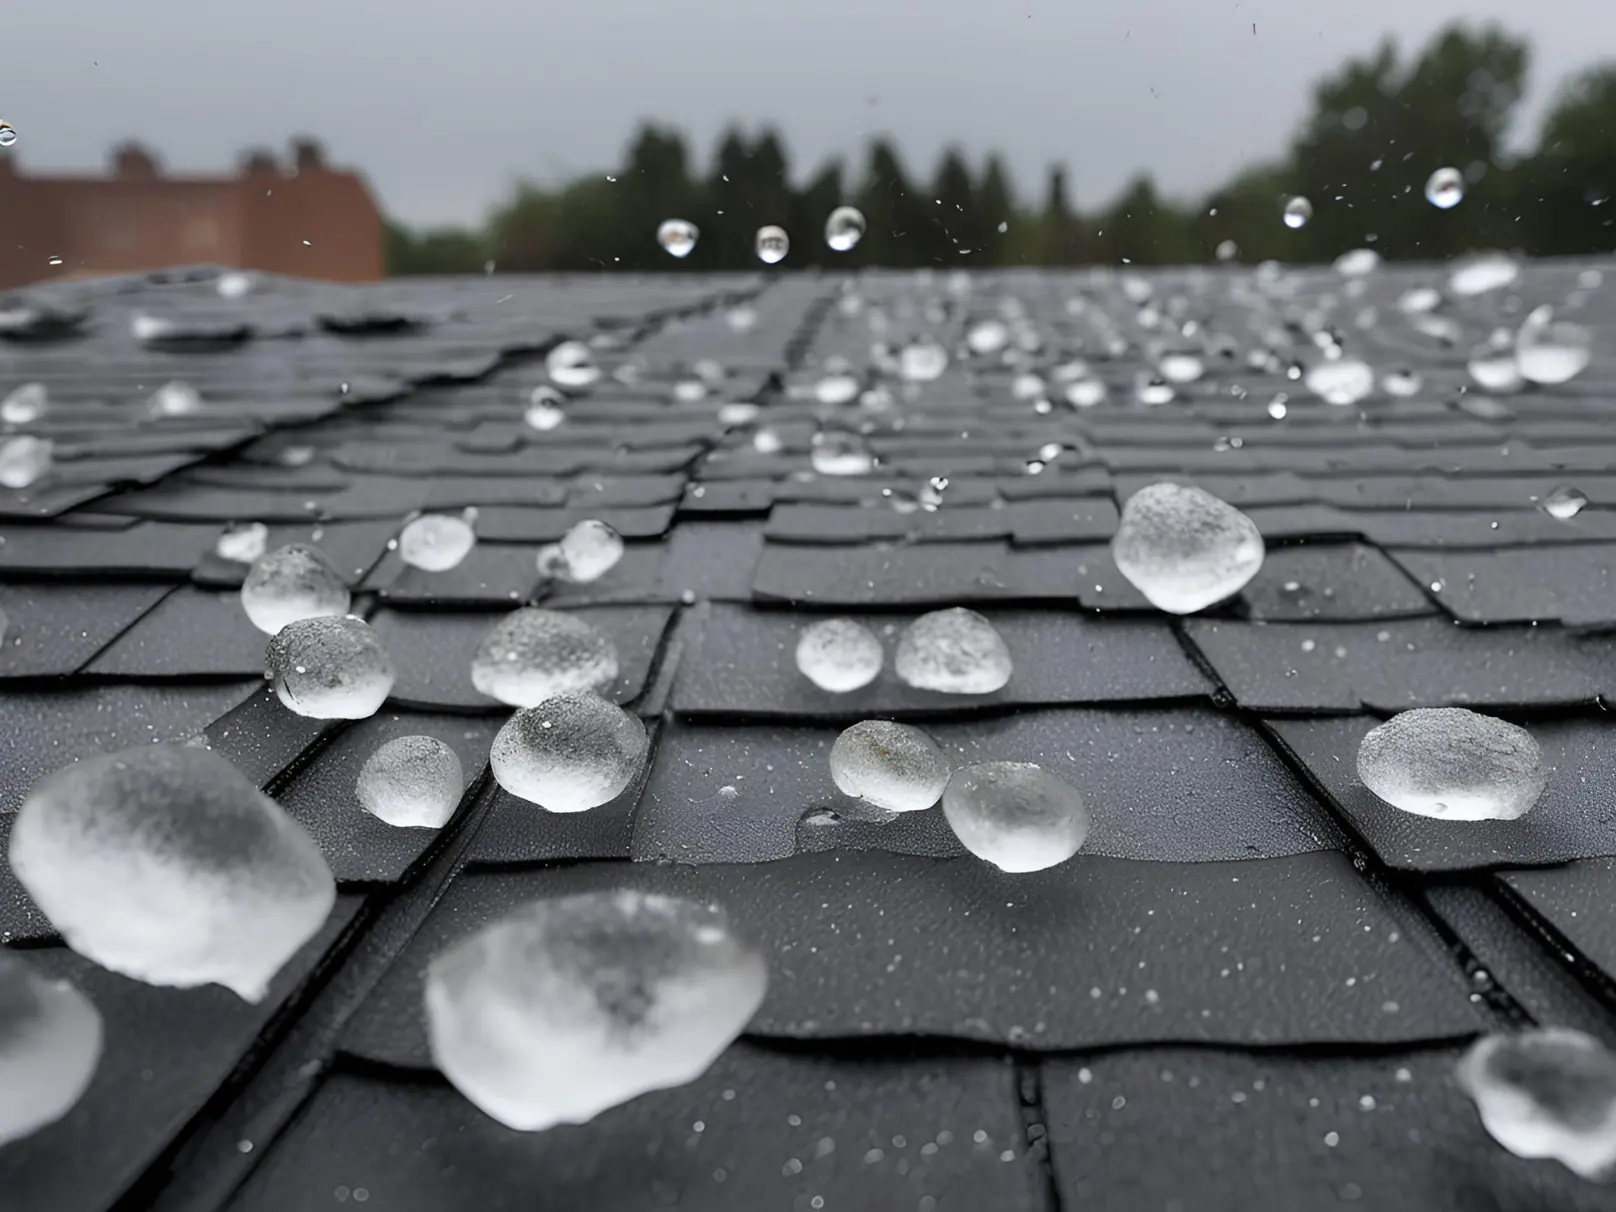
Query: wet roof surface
[[1247, 991]]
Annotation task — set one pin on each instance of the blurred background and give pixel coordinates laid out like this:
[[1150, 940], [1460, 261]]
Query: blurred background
[[353, 139]]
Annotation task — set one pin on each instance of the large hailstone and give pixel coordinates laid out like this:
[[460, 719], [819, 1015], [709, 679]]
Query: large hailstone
[[893, 766], [954, 651], [568, 1007], [1547, 1092], [533, 654], [1453, 764], [330, 668], [571, 753], [50, 1043], [1015, 815], [412, 781], [839, 655], [1184, 549], [292, 583], [165, 864]]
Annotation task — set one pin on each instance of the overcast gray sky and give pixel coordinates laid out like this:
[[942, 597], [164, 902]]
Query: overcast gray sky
[[443, 104]]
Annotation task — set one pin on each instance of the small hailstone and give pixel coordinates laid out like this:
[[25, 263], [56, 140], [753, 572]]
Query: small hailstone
[[292, 583], [839, 655], [242, 544], [893, 766], [567, 1007], [954, 651], [533, 654], [1184, 549], [329, 668], [176, 399], [1547, 1092], [1564, 503], [436, 542], [545, 409], [1453, 764], [1342, 381], [1550, 351], [1015, 815], [165, 864], [571, 364], [587, 552], [24, 460], [571, 753], [411, 781], [25, 404], [50, 1044]]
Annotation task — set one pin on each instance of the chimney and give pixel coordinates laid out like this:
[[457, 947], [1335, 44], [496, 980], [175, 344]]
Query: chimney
[[260, 163], [132, 162], [308, 156]]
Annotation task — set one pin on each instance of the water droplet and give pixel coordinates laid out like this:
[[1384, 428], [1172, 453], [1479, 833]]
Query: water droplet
[[1184, 549], [176, 399], [24, 460], [329, 668], [1444, 189], [922, 362], [1483, 272], [292, 583], [1358, 263], [1015, 815], [571, 364], [987, 337], [844, 229], [24, 404], [839, 655], [50, 1044], [242, 544], [1342, 381], [569, 1006], [1547, 1092], [436, 542], [836, 452], [165, 864], [1401, 384], [533, 654], [1564, 503], [587, 552], [678, 237], [572, 752], [954, 651], [1453, 764], [772, 244], [544, 408], [8, 134], [893, 766], [1297, 212], [1551, 351], [411, 781]]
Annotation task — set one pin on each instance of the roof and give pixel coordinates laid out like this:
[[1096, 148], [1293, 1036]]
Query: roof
[[1248, 990]]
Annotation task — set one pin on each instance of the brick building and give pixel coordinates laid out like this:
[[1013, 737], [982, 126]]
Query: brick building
[[301, 218]]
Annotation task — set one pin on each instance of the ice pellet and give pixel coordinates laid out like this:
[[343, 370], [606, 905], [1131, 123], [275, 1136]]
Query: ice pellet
[[24, 459], [1565, 503], [1184, 549], [1547, 1092], [176, 399], [839, 655], [331, 668], [571, 753], [165, 864], [412, 781], [50, 1043], [292, 583], [436, 542], [1015, 815], [533, 654], [567, 1007], [955, 651], [1341, 382], [587, 552], [893, 766], [571, 364], [24, 404], [1453, 764]]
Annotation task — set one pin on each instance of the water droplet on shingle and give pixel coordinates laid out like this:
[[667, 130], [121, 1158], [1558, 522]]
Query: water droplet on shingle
[[844, 229], [50, 1043], [893, 766], [954, 651], [1297, 212], [329, 668], [1453, 764], [1444, 189], [571, 364], [839, 655], [588, 551], [242, 544], [291, 583], [1565, 503], [1015, 815], [24, 404], [1547, 1093], [412, 781], [1551, 351], [436, 542], [567, 1007], [772, 244], [533, 654], [24, 459], [1184, 549], [922, 361], [571, 753], [677, 237], [1341, 382], [165, 864]]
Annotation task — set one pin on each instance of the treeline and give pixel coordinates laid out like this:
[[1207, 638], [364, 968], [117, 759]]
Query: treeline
[[1379, 126]]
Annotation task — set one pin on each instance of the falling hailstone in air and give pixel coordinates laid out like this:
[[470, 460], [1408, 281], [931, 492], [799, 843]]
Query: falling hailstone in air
[[291, 583], [1565, 503], [1358, 263], [545, 408], [1550, 351], [1547, 1092], [436, 542], [1342, 381], [893, 766], [24, 404], [330, 668], [165, 864], [772, 244], [1015, 815], [175, 399], [50, 1043], [922, 361], [571, 364], [839, 655], [1444, 189], [1297, 212], [24, 460], [567, 1007], [571, 753], [534, 654], [411, 781], [1453, 764], [1482, 272], [8, 134], [587, 552], [1227, 250], [677, 237], [242, 544], [1184, 549], [954, 651], [844, 229]]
